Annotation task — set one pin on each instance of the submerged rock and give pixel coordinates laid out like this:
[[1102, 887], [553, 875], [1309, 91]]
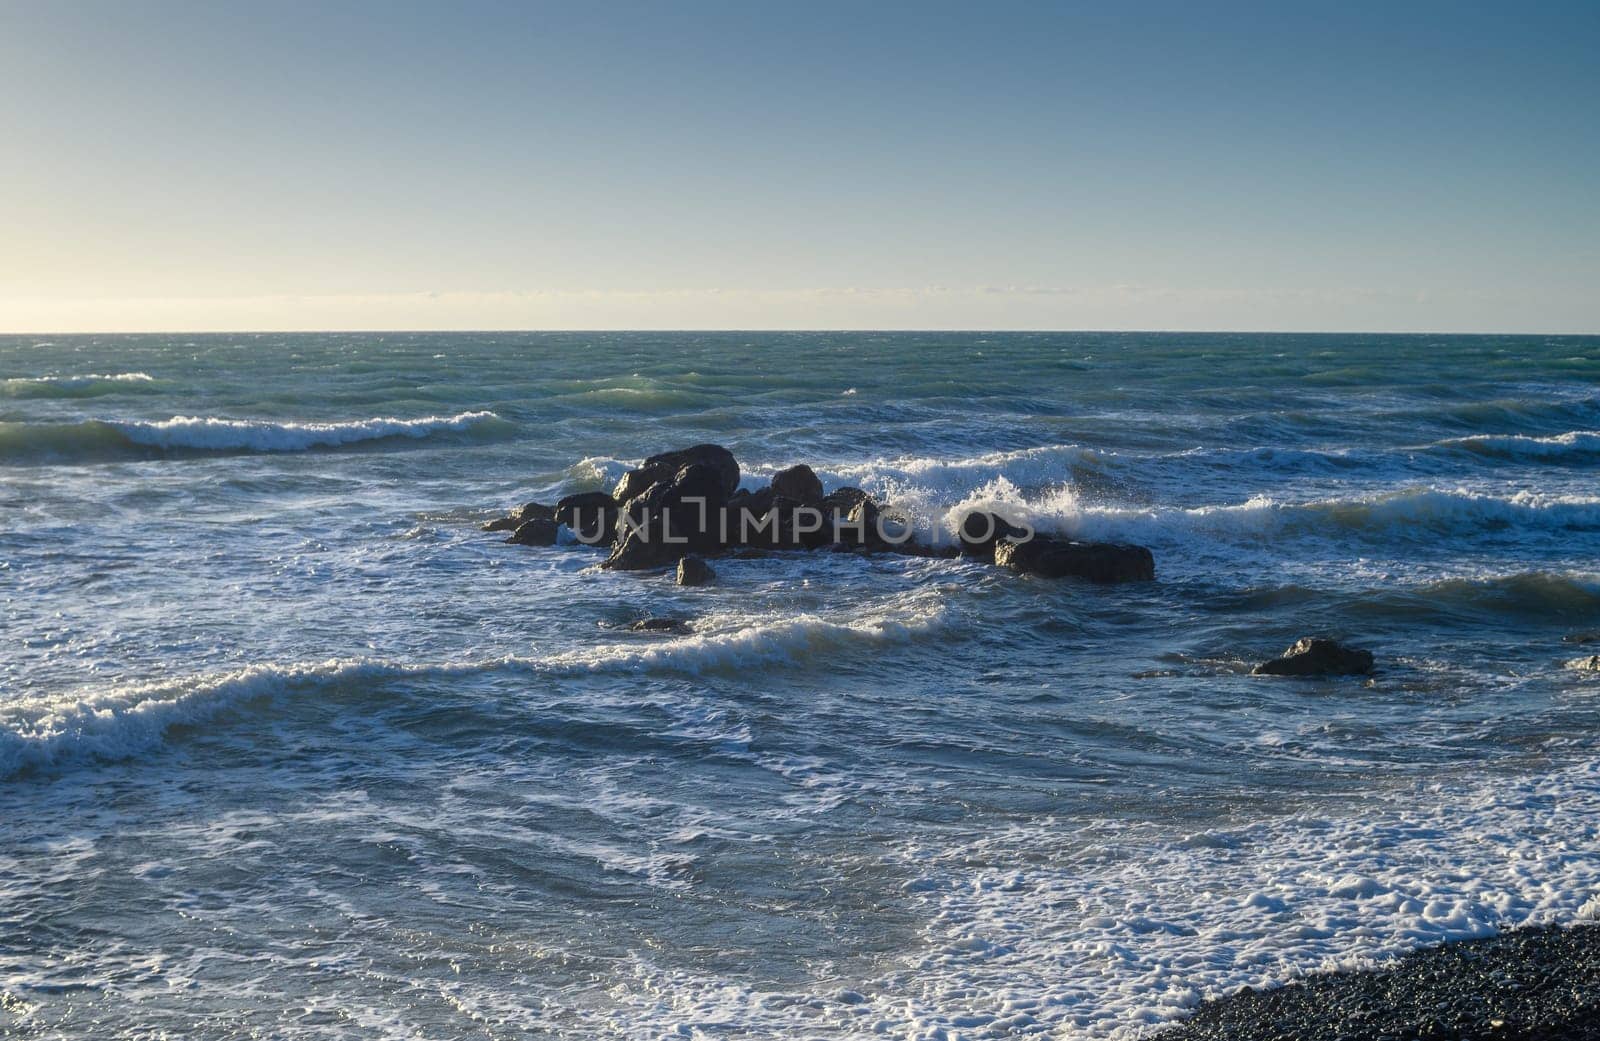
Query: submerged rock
[[660, 625], [694, 571], [1311, 656], [1102, 562]]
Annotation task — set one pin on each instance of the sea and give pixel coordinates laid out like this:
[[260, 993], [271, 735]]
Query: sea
[[291, 748]]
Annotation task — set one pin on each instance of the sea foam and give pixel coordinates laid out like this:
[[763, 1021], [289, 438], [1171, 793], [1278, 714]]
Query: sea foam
[[1096, 930]]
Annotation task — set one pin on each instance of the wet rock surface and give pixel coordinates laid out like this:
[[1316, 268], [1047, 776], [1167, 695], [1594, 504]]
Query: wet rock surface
[[1101, 562], [694, 571], [1313, 656], [540, 531], [520, 516], [675, 626], [1538, 984]]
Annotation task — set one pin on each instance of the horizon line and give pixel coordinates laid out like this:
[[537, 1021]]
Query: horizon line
[[816, 329]]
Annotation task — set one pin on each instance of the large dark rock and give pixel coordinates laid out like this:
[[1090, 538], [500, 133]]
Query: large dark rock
[[673, 518], [694, 571], [981, 531], [540, 531], [590, 515], [635, 483], [714, 456], [520, 516], [1311, 656], [799, 483], [1103, 562]]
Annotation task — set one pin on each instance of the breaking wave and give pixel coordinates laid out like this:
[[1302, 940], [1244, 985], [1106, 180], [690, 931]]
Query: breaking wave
[[91, 385], [123, 722], [1417, 512], [1574, 445], [97, 440]]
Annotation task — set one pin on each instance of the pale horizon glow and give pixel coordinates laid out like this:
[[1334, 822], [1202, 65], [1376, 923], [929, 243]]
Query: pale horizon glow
[[500, 166]]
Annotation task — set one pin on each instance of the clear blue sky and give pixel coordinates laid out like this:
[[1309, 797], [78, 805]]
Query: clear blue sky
[[477, 165]]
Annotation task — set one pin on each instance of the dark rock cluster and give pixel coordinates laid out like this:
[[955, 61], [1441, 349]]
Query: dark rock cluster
[[680, 507]]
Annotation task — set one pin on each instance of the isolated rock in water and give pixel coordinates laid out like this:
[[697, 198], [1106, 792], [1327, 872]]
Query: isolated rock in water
[[1311, 656], [981, 531], [1591, 636], [541, 531], [1589, 664], [520, 516], [591, 515], [694, 571], [799, 483], [714, 456], [660, 625], [1103, 562]]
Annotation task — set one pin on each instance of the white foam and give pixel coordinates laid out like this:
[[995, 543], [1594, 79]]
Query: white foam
[[1101, 929], [734, 642], [211, 434], [1029, 467]]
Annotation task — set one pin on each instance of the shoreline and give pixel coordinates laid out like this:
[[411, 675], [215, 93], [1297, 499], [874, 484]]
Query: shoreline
[[1536, 982]]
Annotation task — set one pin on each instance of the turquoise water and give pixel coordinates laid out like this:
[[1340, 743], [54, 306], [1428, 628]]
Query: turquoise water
[[289, 746]]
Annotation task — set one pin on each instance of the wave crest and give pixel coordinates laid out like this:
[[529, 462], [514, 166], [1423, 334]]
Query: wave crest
[[97, 440], [1572, 445], [122, 722], [90, 385]]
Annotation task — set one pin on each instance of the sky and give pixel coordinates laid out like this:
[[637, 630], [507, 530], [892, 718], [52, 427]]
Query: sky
[[475, 165]]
